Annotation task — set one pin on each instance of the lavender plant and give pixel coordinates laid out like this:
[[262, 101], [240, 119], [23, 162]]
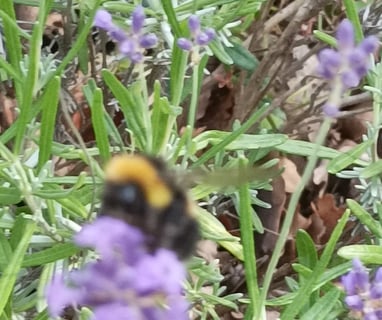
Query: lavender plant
[[125, 282], [363, 296], [41, 209], [344, 68]]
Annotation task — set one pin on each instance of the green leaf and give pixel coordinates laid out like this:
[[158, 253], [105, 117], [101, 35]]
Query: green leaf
[[213, 229], [159, 119], [220, 52], [49, 105], [171, 16], [177, 74], [9, 195], [352, 14], [246, 231], [29, 85], [231, 137], [308, 286], [372, 170], [80, 39], [369, 254], [306, 250], [348, 158], [5, 252], [242, 57], [12, 39], [322, 36], [323, 306], [132, 114], [243, 142], [74, 207], [54, 253], [366, 219], [8, 277], [99, 125], [304, 148]]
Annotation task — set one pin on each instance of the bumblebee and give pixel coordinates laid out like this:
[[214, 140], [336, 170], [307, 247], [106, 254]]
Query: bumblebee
[[141, 191]]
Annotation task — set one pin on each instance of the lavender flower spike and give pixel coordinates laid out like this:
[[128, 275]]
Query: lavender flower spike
[[362, 295], [127, 282], [132, 44], [199, 38], [344, 68]]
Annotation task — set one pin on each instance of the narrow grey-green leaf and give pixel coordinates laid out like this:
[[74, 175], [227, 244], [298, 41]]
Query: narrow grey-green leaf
[[8, 277], [54, 253], [365, 217], [49, 105], [99, 125], [348, 158], [366, 253]]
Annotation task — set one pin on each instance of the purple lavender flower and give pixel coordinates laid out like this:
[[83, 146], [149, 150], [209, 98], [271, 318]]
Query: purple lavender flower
[[132, 44], [344, 68], [127, 282], [198, 37], [362, 296]]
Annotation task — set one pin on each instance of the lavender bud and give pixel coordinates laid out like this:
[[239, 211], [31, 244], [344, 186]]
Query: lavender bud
[[148, 40], [345, 35], [330, 110], [350, 79], [354, 302], [103, 20], [184, 44], [210, 33], [202, 39], [194, 24], [127, 47], [330, 61], [138, 19], [369, 44], [135, 57], [118, 34]]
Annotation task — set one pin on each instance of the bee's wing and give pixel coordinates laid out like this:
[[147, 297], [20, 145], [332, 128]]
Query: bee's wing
[[235, 176]]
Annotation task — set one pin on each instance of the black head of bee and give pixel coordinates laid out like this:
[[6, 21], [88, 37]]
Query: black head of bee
[[140, 191]]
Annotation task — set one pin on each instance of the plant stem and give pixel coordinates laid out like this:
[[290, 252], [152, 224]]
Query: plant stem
[[291, 211], [192, 112], [246, 231]]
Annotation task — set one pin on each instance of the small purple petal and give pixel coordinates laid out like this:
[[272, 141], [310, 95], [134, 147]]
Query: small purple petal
[[350, 79], [376, 289], [369, 44], [121, 234], [360, 275], [371, 316], [354, 302], [202, 39], [329, 63], [118, 34], [166, 277], [330, 110], [177, 308], [357, 57], [112, 311], [103, 20], [345, 35], [194, 24], [135, 57], [148, 40], [138, 19], [210, 33], [127, 46], [59, 296], [184, 44]]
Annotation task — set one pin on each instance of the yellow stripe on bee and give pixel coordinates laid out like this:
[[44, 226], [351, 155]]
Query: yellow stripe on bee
[[134, 168]]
